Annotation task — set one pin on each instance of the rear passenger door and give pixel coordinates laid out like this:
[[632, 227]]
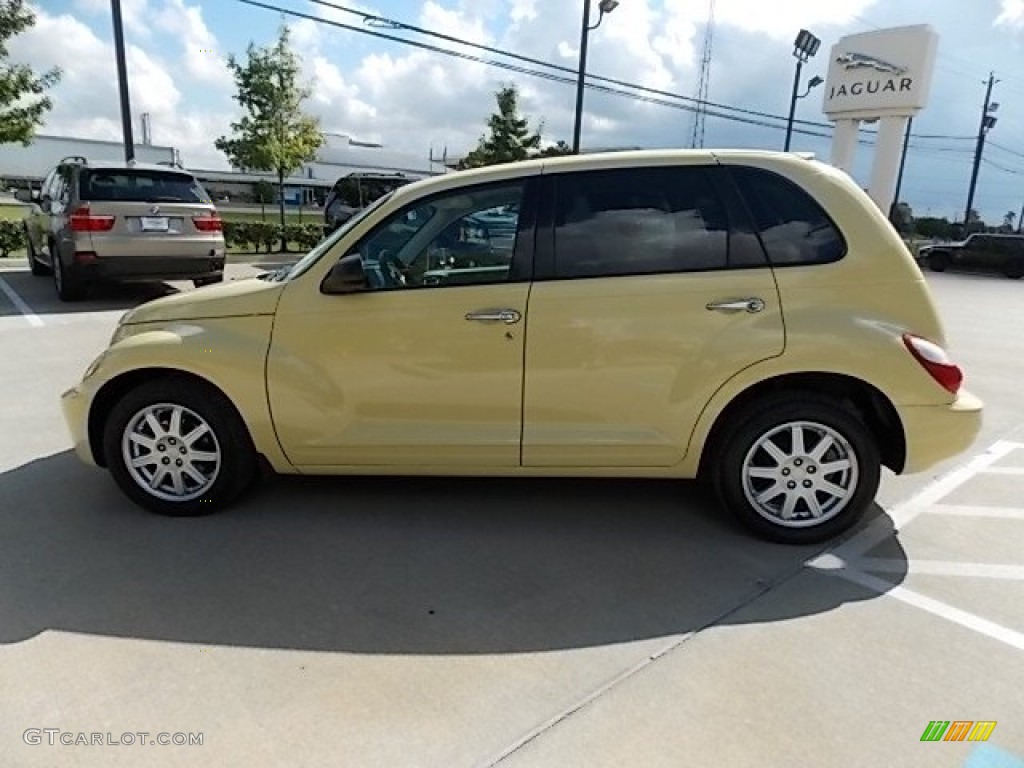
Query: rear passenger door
[[651, 291]]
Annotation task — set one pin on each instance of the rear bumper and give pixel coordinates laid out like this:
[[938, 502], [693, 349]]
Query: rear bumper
[[151, 267], [935, 433]]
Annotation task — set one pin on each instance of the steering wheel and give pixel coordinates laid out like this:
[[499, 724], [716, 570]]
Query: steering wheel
[[391, 269]]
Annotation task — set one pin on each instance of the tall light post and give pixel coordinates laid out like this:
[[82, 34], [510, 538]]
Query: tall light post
[[605, 7], [804, 47], [988, 122], [122, 80]]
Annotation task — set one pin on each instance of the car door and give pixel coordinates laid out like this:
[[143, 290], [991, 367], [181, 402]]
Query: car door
[[425, 368], [650, 294]]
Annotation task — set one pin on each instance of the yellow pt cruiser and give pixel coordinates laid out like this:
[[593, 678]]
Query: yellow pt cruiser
[[749, 318]]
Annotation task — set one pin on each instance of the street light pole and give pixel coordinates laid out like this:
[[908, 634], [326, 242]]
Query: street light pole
[[987, 123], [804, 47], [792, 104], [122, 81], [605, 7]]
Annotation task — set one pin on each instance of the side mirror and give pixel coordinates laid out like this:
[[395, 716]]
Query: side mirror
[[347, 276]]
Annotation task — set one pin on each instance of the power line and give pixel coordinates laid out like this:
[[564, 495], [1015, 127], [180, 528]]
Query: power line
[[657, 97], [700, 103]]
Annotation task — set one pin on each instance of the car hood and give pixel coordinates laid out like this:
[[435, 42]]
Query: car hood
[[239, 298]]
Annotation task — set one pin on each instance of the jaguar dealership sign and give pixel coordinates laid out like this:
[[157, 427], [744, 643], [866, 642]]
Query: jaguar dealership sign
[[887, 72], [882, 77]]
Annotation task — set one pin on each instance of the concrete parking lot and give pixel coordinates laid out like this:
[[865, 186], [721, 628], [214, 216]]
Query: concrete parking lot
[[453, 622]]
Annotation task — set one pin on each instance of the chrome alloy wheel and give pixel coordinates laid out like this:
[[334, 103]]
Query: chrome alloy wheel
[[800, 474], [171, 452]]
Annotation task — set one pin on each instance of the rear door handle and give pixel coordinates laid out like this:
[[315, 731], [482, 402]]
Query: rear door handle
[[507, 316], [751, 305]]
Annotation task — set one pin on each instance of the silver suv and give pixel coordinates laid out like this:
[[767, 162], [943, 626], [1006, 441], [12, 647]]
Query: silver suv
[[122, 221]]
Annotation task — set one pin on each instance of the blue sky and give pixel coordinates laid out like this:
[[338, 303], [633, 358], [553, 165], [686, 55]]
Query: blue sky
[[410, 100]]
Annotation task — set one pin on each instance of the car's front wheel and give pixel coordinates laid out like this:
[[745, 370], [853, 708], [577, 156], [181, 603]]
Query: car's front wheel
[[938, 261], [797, 468], [35, 266], [177, 447]]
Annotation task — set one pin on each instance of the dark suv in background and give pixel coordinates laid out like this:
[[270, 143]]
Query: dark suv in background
[[122, 221], [1000, 253], [354, 192]]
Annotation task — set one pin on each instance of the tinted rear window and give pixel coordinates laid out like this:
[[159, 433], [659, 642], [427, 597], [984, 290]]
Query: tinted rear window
[[141, 186], [793, 227]]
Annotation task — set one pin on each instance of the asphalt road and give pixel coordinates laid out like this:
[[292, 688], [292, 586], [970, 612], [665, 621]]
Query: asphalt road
[[450, 623]]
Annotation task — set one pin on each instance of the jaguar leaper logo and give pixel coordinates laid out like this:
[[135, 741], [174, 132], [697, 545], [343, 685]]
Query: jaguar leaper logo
[[863, 61]]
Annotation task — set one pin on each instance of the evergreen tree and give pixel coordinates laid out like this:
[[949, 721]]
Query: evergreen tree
[[510, 139]]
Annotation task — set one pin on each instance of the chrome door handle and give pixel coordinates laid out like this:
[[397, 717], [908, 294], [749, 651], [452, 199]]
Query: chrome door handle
[[507, 316], [751, 305]]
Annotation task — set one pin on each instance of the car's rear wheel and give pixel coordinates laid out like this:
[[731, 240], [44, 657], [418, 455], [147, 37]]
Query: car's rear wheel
[[69, 287], [177, 447], [1014, 269], [199, 282], [35, 266], [938, 261], [796, 468]]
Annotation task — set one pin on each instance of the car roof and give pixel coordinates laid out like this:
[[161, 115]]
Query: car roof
[[122, 165], [601, 161]]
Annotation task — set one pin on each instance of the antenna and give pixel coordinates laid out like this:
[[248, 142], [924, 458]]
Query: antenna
[[701, 96]]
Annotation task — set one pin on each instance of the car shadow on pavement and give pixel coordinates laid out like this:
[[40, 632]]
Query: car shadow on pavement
[[387, 565], [41, 297]]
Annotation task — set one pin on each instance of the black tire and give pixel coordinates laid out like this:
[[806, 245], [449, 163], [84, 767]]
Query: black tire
[[199, 282], [68, 288], [938, 261], [34, 265], [819, 416], [1014, 269], [227, 438]]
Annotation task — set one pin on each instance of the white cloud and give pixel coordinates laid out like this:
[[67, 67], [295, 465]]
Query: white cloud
[[200, 53], [86, 104], [135, 14], [1012, 13]]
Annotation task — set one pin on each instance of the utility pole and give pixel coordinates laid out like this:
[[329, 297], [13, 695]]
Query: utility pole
[[122, 81], [903, 165], [987, 123]]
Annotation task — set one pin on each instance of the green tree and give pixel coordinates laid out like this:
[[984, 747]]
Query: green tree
[[275, 135], [556, 150], [264, 193], [510, 138], [1008, 218], [22, 103], [932, 227]]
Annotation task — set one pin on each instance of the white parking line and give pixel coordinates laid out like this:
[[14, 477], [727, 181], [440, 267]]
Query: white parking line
[[847, 561], [965, 510], [1004, 471], [902, 514], [941, 568], [25, 310], [963, 618]]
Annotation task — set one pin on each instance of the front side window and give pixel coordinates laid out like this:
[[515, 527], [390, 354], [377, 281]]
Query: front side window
[[456, 238], [793, 227], [143, 186], [638, 221]]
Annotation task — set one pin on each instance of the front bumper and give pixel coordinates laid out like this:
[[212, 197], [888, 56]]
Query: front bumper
[[75, 405], [935, 433]]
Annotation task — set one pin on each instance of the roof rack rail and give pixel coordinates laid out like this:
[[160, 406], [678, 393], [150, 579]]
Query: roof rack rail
[[74, 159], [171, 164]]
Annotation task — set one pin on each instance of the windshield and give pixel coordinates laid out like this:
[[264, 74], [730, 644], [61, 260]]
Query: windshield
[[311, 258]]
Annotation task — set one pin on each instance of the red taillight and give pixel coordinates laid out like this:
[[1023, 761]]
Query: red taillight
[[83, 221], [208, 223], [936, 361]]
